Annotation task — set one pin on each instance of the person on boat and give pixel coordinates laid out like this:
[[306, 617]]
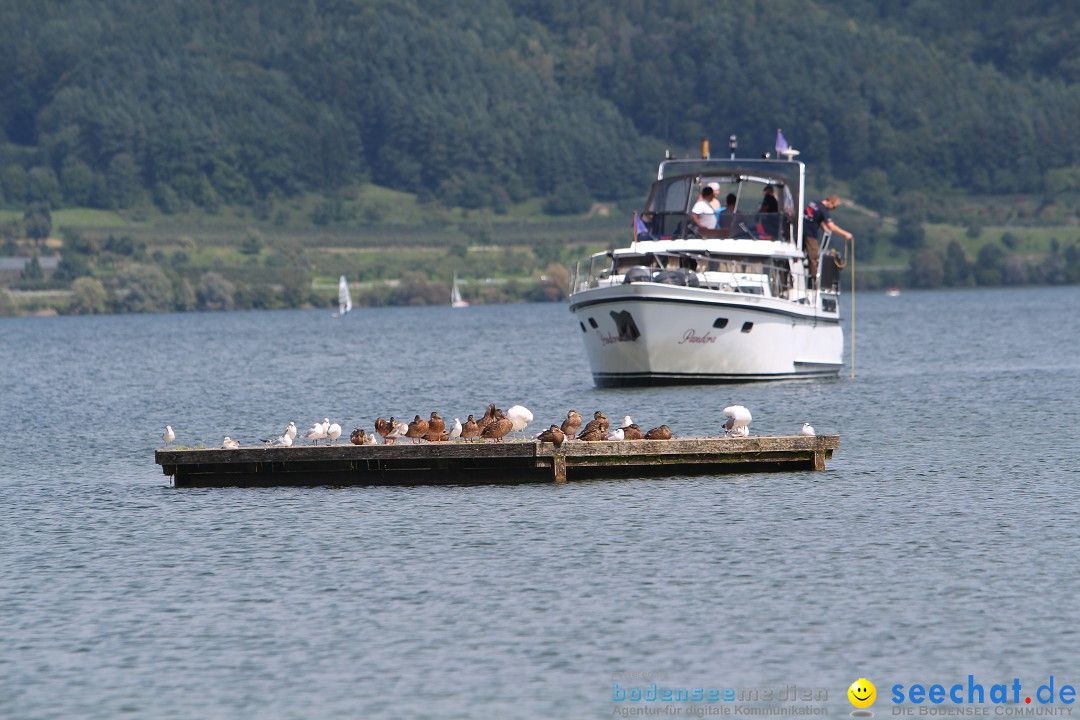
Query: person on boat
[[717, 206], [703, 214], [817, 217], [725, 219], [642, 223], [769, 214]]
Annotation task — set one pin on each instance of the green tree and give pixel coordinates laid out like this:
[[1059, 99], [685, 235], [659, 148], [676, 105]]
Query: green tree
[[37, 222], [7, 305], [214, 292], [88, 297], [990, 265], [957, 268], [927, 269], [142, 289], [44, 187], [15, 184], [32, 271]]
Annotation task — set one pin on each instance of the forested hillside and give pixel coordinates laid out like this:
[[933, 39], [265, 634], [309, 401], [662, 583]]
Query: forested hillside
[[117, 103]]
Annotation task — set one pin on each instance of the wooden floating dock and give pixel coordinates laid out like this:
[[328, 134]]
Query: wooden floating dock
[[490, 463]]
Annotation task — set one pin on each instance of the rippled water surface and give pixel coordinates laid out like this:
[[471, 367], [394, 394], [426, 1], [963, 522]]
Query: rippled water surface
[[941, 540]]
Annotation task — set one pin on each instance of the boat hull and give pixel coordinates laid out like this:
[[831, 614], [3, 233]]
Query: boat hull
[[651, 334]]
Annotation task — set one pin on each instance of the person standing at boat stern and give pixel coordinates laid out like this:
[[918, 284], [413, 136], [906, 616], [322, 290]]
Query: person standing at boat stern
[[818, 216]]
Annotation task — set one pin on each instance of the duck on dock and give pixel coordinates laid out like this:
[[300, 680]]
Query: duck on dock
[[552, 435], [418, 428], [499, 428], [470, 431], [659, 433], [571, 424]]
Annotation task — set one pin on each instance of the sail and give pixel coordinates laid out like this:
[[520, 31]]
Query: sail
[[455, 296], [344, 299]]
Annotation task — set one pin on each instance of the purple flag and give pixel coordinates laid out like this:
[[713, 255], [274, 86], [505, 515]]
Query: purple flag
[[781, 143], [639, 227]]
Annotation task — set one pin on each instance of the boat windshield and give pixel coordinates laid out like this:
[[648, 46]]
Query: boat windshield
[[757, 199]]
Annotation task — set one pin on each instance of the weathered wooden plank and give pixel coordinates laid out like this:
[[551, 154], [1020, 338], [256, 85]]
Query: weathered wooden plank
[[439, 463]]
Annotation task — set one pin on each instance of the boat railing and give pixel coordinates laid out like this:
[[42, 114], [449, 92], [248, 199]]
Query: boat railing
[[690, 270]]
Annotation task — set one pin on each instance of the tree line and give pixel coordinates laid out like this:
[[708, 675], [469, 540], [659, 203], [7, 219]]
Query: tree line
[[483, 103]]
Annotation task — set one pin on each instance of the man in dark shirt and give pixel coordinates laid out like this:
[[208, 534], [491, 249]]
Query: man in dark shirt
[[818, 216]]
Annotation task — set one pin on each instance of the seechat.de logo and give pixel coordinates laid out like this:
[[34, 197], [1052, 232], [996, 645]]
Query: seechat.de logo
[[862, 694]]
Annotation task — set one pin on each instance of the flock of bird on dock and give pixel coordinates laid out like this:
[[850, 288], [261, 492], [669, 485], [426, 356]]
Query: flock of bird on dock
[[494, 425]]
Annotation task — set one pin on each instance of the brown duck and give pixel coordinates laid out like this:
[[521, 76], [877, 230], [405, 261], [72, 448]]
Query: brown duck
[[571, 424], [661, 433], [590, 434], [470, 430], [599, 422], [383, 427], [488, 418], [436, 424], [499, 428], [552, 435], [417, 429], [436, 436], [632, 432], [358, 436]]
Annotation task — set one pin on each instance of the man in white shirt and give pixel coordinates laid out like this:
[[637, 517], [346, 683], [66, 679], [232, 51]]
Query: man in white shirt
[[703, 213]]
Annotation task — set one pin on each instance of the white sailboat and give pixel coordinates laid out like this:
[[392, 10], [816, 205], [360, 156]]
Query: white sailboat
[[344, 299], [455, 296]]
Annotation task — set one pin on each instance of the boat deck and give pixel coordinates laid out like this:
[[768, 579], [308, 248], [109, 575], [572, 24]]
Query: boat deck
[[490, 463]]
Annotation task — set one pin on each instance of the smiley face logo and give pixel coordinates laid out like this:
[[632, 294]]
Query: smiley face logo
[[862, 693]]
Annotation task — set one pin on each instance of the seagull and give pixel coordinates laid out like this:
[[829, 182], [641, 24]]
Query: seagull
[[370, 439], [738, 421], [230, 444], [626, 421], [291, 430], [333, 432], [455, 429], [168, 436], [283, 441], [616, 435], [807, 429], [317, 431], [519, 417]]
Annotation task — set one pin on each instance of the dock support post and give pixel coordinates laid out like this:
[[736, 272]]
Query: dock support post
[[558, 466], [819, 459]]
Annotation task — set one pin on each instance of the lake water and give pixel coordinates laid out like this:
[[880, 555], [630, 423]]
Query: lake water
[[940, 542]]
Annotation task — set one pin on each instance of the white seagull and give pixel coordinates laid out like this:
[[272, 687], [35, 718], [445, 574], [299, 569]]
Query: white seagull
[[519, 417], [333, 432], [370, 439], [807, 429], [455, 431], [283, 441], [168, 436], [291, 430], [626, 422], [616, 435], [317, 432], [230, 444], [738, 421]]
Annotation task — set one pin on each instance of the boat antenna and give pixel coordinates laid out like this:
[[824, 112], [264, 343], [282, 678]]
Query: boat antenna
[[704, 148], [732, 144]]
